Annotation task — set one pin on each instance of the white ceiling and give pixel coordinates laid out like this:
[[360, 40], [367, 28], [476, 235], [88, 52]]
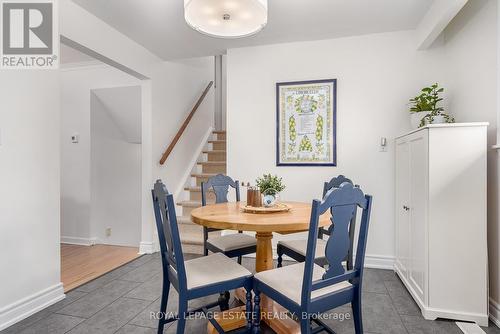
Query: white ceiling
[[124, 107], [160, 27]]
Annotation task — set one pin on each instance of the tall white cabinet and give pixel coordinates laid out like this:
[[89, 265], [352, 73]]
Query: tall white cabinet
[[441, 232]]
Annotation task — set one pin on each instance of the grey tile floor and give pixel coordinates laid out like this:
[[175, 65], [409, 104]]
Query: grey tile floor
[[121, 302]]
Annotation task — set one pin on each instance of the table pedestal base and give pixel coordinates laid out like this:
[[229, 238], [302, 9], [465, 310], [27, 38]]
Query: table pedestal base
[[272, 313]]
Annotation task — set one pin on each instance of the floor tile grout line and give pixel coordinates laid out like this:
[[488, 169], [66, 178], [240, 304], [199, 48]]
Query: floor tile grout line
[[408, 315], [74, 325], [121, 296], [133, 317], [395, 308], [52, 313]]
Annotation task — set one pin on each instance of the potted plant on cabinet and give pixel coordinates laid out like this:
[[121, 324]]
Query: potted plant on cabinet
[[425, 108]]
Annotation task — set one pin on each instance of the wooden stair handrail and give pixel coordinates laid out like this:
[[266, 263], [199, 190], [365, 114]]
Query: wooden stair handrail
[[185, 124]]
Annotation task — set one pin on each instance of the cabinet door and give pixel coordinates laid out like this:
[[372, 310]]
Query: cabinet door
[[402, 202], [418, 212]]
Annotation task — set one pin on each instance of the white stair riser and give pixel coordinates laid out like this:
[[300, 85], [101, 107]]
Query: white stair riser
[[190, 233], [192, 249], [186, 210]]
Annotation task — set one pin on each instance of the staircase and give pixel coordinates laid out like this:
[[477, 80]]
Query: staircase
[[211, 162]]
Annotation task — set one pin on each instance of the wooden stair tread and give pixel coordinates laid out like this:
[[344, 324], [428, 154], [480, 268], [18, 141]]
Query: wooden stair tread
[[217, 132], [191, 233], [204, 174], [192, 204], [197, 189], [213, 163], [192, 240], [185, 220], [214, 151]]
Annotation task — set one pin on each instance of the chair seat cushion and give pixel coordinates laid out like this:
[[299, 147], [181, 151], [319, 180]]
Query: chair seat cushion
[[300, 246], [288, 281], [231, 242], [212, 269]]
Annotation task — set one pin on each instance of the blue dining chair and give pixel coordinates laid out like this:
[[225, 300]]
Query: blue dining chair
[[231, 245], [193, 279], [296, 249], [307, 289]]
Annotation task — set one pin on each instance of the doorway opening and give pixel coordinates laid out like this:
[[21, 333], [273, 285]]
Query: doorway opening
[[101, 173]]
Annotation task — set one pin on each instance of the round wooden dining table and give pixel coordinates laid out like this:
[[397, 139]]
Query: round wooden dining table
[[230, 216]]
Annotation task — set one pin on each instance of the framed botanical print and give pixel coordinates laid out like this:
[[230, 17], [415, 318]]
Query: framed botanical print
[[306, 123]]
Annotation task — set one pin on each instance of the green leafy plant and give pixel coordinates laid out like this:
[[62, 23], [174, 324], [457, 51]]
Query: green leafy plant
[[270, 184], [428, 101]]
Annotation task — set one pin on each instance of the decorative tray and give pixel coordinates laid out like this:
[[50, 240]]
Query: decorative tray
[[280, 207]]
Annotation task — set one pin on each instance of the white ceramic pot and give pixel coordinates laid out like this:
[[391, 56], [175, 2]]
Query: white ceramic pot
[[438, 119], [416, 117]]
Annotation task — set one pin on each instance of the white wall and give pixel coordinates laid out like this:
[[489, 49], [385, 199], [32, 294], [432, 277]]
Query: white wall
[[115, 177], [376, 75], [29, 193], [470, 44], [178, 87], [76, 86]]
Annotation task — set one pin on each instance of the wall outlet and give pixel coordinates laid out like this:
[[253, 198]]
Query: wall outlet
[[75, 138], [108, 232]]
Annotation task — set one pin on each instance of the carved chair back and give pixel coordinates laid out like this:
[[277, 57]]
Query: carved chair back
[[168, 235], [220, 185], [343, 203]]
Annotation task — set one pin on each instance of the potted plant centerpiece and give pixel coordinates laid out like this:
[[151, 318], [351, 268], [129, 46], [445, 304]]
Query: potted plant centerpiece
[[270, 186], [425, 108]]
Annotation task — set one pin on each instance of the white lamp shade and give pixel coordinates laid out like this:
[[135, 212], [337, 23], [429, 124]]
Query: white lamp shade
[[226, 18]]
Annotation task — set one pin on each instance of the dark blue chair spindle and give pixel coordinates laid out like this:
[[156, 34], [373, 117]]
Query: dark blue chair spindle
[[307, 289], [193, 279]]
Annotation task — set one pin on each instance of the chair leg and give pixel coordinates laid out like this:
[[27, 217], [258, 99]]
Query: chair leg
[[280, 256], [224, 300], [181, 322], [248, 310], [305, 325], [205, 238], [163, 305], [256, 312], [356, 312]]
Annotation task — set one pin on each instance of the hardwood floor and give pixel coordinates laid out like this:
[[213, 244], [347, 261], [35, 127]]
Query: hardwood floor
[[80, 264]]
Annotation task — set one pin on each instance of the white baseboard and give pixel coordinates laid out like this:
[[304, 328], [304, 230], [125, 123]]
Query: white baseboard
[[495, 312], [79, 241], [146, 247], [379, 261], [25, 307], [371, 261]]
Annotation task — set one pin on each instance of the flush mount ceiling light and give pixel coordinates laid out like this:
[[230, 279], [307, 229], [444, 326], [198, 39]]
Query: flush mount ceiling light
[[226, 18]]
